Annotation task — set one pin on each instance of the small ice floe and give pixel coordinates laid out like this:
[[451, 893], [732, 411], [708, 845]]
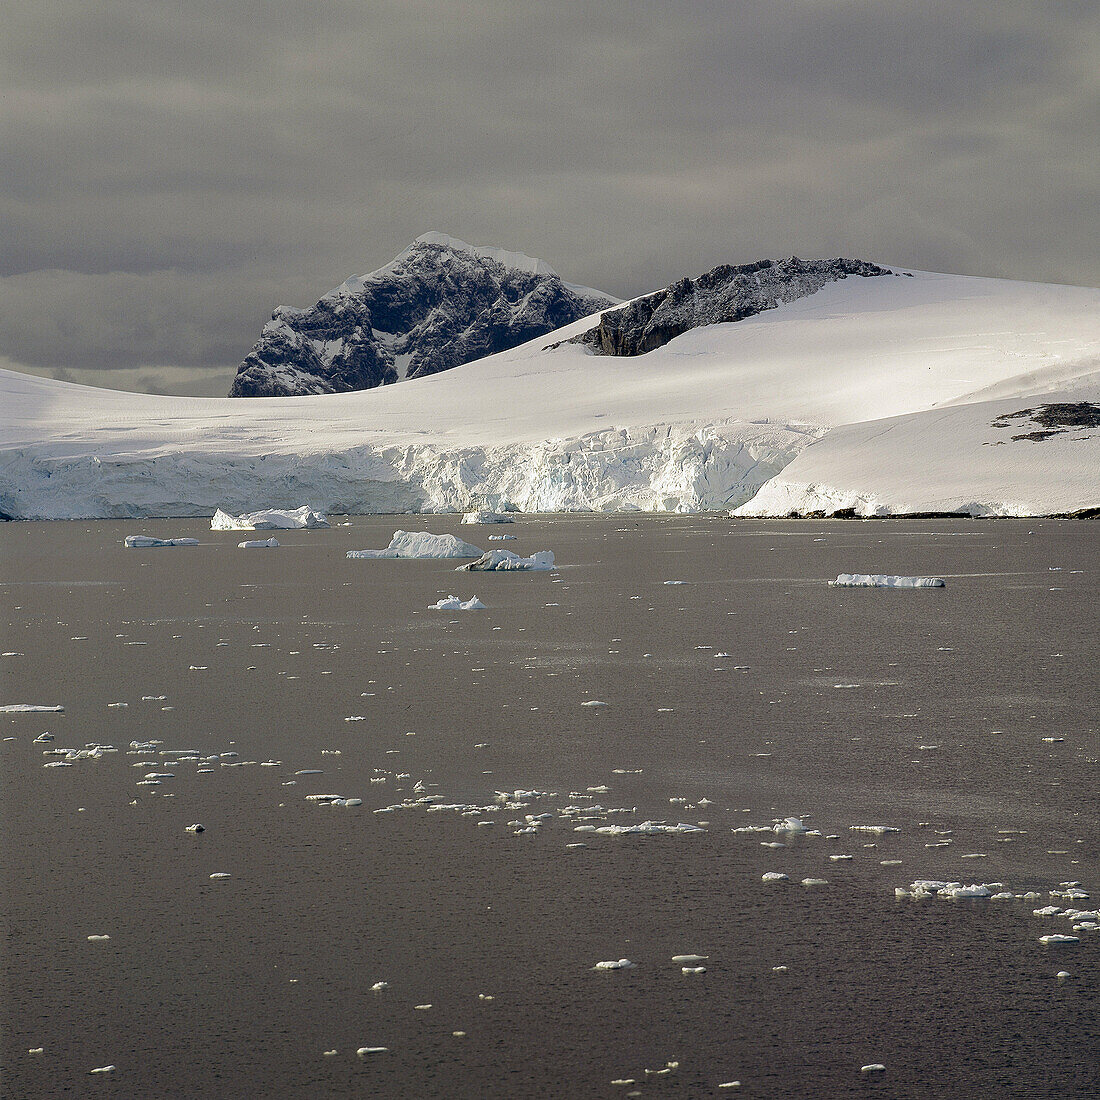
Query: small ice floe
[[594, 703], [333, 800], [270, 519], [934, 888], [878, 830], [1062, 975], [102, 1069], [453, 603], [143, 542], [614, 964], [729, 1084], [774, 876], [364, 1052], [98, 939], [689, 960], [643, 828], [790, 825], [873, 1067], [674, 582], [379, 986], [501, 538], [1056, 938], [43, 739], [506, 561], [258, 544], [815, 882], [196, 828], [669, 1067], [883, 580], [693, 969], [421, 544], [839, 858], [221, 874], [484, 515], [30, 708], [39, 1050]]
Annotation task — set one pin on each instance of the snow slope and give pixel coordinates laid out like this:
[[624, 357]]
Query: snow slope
[[702, 422], [954, 459]]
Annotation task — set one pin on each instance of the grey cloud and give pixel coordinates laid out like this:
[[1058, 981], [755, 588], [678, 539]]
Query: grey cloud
[[170, 173]]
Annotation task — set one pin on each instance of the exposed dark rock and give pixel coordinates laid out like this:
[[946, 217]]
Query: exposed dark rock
[[722, 295], [440, 304], [1053, 419]]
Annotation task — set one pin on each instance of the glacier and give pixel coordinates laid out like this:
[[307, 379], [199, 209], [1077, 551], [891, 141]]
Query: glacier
[[875, 396]]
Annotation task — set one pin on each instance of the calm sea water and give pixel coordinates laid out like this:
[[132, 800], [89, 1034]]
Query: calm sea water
[[965, 718]]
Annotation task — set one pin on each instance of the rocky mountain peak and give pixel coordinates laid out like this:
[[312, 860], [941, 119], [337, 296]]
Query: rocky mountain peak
[[438, 304], [725, 294]]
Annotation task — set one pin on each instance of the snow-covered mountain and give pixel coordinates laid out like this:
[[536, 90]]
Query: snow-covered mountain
[[439, 304], [914, 393]]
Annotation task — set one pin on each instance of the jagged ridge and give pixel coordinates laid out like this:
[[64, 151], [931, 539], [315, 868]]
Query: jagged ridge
[[439, 304], [727, 293]]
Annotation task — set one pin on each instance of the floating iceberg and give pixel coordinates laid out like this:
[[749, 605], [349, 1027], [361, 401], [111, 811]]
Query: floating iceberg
[[29, 708], [453, 603], [141, 542], [485, 516], [271, 519], [257, 544], [505, 559], [880, 580], [421, 544]]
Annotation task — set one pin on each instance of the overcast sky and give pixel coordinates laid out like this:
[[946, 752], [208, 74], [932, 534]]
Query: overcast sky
[[172, 171]]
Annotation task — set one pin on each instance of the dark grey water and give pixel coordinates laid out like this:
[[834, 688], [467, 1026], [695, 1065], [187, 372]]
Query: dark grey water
[[753, 686]]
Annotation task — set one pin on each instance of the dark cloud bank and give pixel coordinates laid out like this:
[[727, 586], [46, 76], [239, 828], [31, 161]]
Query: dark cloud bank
[[171, 172]]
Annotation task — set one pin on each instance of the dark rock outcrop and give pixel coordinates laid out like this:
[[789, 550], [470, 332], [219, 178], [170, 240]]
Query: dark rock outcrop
[[440, 304], [725, 294]]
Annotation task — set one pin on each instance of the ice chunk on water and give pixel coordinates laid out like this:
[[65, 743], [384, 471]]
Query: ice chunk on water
[[453, 603], [258, 544], [504, 560], [30, 708], [882, 580], [485, 516], [141, 542], [614, 964], [421, 544], [270, 519]]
